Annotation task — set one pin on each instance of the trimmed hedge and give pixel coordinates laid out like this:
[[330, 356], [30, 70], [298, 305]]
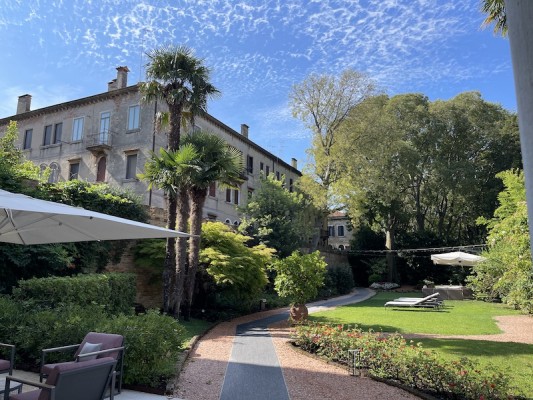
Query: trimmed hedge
[[153, 341], [113, 292]]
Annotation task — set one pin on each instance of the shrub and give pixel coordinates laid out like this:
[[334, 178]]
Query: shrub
[[391, 357], [114, 292], [153, 344]]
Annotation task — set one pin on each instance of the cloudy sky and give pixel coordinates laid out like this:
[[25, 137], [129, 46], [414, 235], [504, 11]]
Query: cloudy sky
[[60, 50]]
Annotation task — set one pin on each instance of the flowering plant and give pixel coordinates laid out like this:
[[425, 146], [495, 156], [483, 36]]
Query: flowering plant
[[390, 356], [384, 285]]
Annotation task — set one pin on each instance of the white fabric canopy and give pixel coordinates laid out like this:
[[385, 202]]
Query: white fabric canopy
[[456, 258], [27, 220]]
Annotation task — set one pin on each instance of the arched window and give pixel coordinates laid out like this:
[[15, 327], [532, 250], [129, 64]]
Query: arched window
[[341, 247], [54, 173], [227, 221], [236, 223]]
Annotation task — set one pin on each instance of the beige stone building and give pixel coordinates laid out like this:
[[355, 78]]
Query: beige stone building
[[108, 137], [339, 231]]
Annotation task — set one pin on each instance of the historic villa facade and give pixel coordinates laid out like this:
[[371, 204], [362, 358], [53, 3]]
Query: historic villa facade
[[108, 137]]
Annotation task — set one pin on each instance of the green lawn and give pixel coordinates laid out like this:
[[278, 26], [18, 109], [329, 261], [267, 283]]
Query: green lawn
[[457, 318], [194, 327]]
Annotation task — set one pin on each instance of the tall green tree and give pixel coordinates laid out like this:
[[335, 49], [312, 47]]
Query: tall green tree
[[216, 161], [322, 103], [275, 217], [417, 168], [506, 273], [182, 81]]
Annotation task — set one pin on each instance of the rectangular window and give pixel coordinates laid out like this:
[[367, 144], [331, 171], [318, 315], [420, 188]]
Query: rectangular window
[[105, 121], [228, 195], [213, 189], [47, 139], [133, 117], [261, 166], [267, 170], [77, 129], [27, 138], [131, 166], [250, 164], [277, 175], [290, 185], [236, 196], [331, 231], [58, 132], [340, 230], [74, 171]]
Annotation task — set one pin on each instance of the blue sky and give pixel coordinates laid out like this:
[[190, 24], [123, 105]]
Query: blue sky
[[60, 50]]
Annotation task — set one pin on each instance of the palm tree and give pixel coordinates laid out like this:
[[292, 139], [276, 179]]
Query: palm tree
[[216, 162], [495, 10], [168, 172], [181, 80]]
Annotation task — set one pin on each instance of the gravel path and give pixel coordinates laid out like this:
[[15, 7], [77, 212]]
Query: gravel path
[[306, 377]]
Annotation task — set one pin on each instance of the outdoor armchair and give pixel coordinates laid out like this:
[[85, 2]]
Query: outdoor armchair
[[94, 345], [7, 358], [87, 380]]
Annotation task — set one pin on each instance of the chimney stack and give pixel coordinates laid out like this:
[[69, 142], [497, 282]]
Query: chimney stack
[[244, 130], [24, 104], [294, 163], [112, 85], [122, 77]]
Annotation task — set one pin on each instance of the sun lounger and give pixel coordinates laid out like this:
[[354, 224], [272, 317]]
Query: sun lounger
[[423, 302], [433, 296]]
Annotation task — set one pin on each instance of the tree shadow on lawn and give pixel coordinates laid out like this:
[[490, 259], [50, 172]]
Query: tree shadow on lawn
[[481, 348]]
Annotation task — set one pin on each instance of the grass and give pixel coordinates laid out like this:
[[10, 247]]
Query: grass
[[456, 318], [514, 359], [193, 328]]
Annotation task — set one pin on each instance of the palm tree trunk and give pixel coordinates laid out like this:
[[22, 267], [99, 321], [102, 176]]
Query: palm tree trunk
[[170, 253], [182, 207], [197, 205], [174, 134]]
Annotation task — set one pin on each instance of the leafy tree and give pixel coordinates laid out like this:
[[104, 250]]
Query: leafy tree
[[425, 169], [233, 265], [275, 217], [506, 273], [323, 102], [298, 277], [216, 161], [181, 80]]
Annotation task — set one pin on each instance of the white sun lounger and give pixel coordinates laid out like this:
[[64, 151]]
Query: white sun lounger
[[423, 302]]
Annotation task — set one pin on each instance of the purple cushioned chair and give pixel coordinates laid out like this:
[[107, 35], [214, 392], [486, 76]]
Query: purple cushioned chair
[[94, 345], [87, 380], [7, 358]]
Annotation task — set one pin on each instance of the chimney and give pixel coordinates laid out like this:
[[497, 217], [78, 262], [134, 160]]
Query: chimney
[[294, 163], [24, 103], [112, 85], [122, 77], [244, 130]]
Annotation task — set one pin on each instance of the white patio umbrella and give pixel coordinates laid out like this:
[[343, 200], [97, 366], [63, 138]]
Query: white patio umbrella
[[27, 220], [456, 258]]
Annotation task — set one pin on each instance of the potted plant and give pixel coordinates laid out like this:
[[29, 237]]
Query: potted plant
[[298, 277]]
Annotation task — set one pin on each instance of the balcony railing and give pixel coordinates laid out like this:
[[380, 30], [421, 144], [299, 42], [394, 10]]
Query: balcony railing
[[99, 141]]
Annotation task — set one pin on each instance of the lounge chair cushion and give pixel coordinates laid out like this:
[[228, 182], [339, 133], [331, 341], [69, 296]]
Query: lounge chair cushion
[[90, 348], [4, 365], [31, 395], [48, 368], [107, 340]]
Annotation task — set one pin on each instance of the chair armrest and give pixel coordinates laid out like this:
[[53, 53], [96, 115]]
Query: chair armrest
[[30, 383], [100, 352], [62, 348]]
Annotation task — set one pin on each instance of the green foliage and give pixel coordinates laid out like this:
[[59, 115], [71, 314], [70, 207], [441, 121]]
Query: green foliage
[[232, 264], [275, 217], [13, 167], [298, 277], [153, 344], [114, 292], [337, 281], [506, 273], [392, 357]]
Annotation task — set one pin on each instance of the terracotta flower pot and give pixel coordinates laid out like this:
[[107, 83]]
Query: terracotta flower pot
[[298, 312]]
